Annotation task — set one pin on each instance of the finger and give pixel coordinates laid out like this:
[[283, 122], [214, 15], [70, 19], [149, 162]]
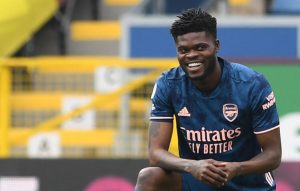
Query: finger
[[215, 175], [218, 171], [210, 180], [220, 164]]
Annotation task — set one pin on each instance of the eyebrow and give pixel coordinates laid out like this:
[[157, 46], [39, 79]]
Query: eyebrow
[[195, 45]]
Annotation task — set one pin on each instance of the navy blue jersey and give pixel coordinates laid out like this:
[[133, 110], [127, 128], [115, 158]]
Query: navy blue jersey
[[222, 124]]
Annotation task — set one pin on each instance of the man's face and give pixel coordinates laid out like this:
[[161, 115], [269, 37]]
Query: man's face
[[196, 53]]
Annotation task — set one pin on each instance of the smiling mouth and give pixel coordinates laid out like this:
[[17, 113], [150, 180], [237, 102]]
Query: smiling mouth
[[194, 65]]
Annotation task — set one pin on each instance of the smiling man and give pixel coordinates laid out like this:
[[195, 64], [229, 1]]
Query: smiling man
[[228, 138]]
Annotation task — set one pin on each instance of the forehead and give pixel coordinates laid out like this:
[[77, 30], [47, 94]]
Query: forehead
[[194, 38]]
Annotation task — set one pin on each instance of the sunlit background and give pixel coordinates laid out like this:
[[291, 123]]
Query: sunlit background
[[77, 75]]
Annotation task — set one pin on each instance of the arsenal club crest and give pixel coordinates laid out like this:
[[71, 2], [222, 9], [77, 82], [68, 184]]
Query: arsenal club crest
[[230, 111]]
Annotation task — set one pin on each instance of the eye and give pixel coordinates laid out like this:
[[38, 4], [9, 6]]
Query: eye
[[182, 50], [202, 47]]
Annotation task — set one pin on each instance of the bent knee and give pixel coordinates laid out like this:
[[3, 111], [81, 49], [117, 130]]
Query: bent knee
[[155, 177], [151, 174]]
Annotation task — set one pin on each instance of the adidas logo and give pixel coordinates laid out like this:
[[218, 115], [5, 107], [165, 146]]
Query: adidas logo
[[184, 112]]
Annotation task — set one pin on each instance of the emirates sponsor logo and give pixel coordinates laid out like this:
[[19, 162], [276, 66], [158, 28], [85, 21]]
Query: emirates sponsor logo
[[211, 141], [230, 111], [184, 112]]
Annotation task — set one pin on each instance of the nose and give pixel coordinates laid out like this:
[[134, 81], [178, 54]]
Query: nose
[[192, 54]]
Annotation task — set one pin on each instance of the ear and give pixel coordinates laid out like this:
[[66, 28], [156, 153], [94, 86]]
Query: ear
[[217, 44]]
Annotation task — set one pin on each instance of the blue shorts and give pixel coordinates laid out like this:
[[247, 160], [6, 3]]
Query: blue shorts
[[189, 183], [255, 183]]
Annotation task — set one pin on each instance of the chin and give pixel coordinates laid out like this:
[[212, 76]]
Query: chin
[[197, 78]]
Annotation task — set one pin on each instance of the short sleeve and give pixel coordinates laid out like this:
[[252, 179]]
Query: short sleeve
[[162, 109], [263, 106]]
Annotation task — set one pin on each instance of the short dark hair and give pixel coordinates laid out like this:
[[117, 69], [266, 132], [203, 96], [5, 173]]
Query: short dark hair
[[194, 20]]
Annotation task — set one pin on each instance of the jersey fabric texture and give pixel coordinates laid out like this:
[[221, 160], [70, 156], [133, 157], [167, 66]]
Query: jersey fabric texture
[[221, 124]]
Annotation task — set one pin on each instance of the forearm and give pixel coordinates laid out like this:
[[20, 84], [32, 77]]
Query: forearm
[[262, 163], [160, 134], [166, 160], [268, 159]]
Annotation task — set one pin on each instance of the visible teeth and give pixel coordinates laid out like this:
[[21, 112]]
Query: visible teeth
[[194, 64]]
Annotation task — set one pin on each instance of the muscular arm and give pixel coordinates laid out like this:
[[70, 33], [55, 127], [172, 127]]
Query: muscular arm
[[160, 134], [269, 159]]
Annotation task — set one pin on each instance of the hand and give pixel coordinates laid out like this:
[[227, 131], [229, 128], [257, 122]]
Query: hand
[[230, 168], [210, 172]]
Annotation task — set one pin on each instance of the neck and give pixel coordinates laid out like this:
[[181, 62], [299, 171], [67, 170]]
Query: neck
[[210, 82]]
